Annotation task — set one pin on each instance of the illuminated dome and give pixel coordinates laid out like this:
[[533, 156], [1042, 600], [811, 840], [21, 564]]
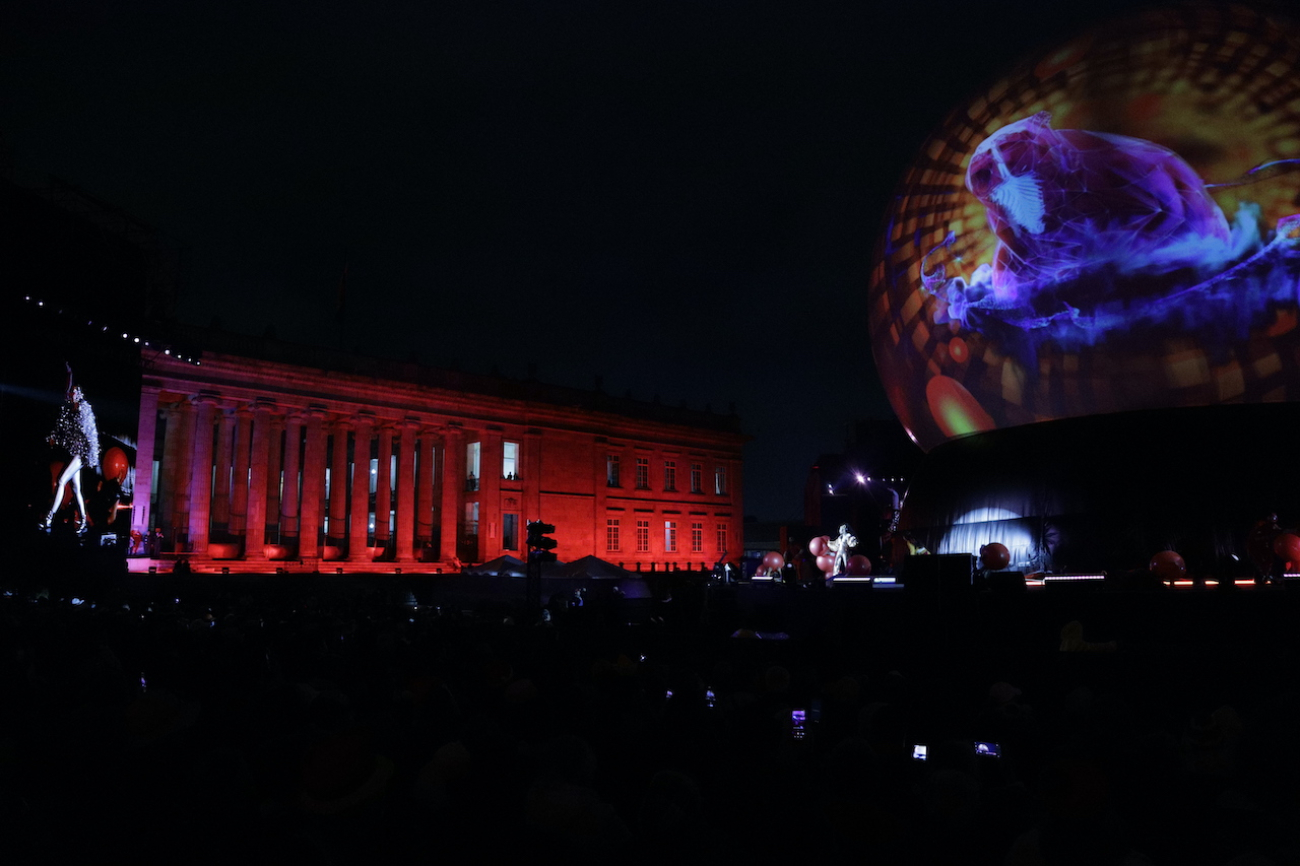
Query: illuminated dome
[[1113, 226]]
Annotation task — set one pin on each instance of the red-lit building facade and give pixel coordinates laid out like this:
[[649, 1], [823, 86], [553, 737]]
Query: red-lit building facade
[[265, 455]]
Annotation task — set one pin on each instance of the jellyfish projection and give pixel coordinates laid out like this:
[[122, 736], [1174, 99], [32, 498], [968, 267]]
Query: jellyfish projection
[[1112, 225], [1097, 233]]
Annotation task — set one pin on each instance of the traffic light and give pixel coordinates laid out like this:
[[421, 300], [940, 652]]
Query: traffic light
[[539, 546]]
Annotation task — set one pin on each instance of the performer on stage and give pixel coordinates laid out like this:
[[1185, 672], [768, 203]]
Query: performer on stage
[[841, 547], [76, 433]]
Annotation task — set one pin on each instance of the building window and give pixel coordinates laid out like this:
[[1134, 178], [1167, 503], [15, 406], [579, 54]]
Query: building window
[[642, 536], [472, 452], [471, 519], [611, 534], [642, 473], [697, 538], [510, 461], [510, 531], [670, 475], [697, 478], [670, 536], [722, 539], [720, 480], [611, 471]]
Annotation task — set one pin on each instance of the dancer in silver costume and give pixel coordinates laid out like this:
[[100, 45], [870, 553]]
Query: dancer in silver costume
[[76, 433]]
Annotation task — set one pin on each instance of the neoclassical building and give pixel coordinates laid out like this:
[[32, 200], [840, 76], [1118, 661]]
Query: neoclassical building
[[266, 455]]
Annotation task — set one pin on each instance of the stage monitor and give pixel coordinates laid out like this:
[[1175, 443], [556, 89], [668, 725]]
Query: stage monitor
[[1111, 226]]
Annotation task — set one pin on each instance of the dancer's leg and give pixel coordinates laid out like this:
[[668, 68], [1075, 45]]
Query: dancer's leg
[[76, 490], [72, 472]]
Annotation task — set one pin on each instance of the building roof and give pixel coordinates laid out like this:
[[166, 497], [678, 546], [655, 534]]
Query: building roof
[[216, 342]]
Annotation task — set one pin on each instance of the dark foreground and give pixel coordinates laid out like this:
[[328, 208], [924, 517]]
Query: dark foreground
[[351, 720]]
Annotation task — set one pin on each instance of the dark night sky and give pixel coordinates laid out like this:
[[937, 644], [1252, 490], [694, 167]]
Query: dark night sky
[[680, 197]]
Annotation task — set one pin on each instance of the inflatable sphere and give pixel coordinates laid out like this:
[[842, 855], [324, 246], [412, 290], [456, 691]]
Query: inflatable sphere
[[1099, 207], [115, 464], [818, 545], [1287, 546], [826, 563], [773, 561], [995, 556], [859, 566], [1168, 565]]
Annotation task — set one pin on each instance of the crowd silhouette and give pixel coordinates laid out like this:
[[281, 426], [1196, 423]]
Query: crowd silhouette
[[312, 721]]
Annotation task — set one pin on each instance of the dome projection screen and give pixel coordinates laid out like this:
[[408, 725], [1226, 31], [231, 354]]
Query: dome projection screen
[[1113, 226]]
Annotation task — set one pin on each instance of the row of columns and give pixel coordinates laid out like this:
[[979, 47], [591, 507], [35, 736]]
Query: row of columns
[[241, 447]]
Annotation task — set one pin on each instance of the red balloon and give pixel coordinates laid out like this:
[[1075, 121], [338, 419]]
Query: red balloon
[[818, 545], [995, 555], [1168, 565], [115, 464], [1287, 546], [773, 561], [826, 563], [859, 565]]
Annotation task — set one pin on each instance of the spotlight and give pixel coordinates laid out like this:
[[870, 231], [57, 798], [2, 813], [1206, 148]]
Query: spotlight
[[167, 351], [137, 339], [861, 478], [124, 336]]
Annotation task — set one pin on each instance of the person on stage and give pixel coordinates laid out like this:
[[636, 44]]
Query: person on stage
[[842, 548], [76, 433]]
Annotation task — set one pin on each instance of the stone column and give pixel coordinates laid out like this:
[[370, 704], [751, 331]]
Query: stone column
[[239, 488], [259, 479], [384, 487], [146, 433], [489, 508], [201, 474], [313, 485], [167, 466], [453, 490], [338, 504], [424, 490], [180, 523], [289, 498], [221, 492], [274, 461], [406, 492], [359, 522]]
